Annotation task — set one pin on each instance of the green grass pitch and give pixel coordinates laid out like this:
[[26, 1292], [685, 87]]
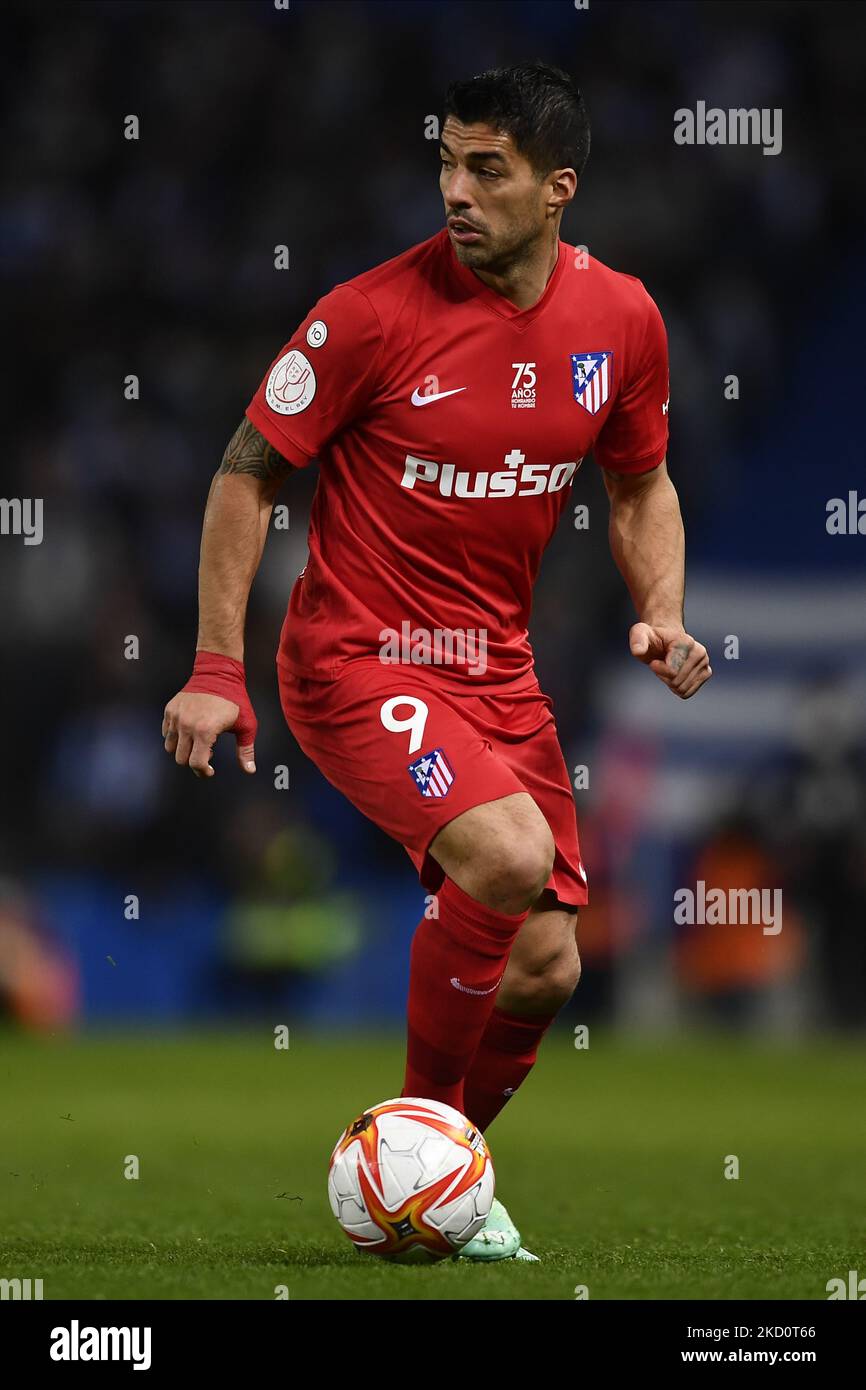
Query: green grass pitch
[[611, 1161]]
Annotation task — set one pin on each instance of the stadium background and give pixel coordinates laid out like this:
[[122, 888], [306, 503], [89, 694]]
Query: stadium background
[[155, 257]]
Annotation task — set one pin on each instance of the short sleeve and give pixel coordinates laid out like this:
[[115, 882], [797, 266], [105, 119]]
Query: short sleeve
[[322, 378], [634, 438]]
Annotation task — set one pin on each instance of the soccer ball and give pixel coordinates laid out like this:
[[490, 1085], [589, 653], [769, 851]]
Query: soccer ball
[[411, 1180]]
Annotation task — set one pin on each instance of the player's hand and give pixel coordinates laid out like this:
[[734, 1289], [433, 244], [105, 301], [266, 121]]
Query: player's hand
[[675, 657], [192, 724]]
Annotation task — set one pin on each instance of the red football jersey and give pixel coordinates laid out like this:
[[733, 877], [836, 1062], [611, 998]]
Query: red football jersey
[[448, 424]]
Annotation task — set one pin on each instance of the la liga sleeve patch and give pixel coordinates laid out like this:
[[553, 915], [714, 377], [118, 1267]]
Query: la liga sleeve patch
[[322, 378], [291, 385]]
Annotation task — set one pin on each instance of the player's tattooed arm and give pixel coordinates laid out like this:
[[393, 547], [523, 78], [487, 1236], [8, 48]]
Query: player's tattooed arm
[[249, 452], [237, 516], [236, 520]]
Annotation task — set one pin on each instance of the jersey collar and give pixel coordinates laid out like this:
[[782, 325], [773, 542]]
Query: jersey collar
[[497, 302]]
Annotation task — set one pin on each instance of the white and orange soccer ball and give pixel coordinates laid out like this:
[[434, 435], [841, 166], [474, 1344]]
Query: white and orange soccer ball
[[411, 1180]]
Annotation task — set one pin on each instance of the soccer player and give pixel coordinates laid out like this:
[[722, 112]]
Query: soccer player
[[449, 396]]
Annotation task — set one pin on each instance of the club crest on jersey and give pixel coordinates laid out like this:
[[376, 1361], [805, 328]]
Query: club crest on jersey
[[432, 773], [591, 374], [291, 384]]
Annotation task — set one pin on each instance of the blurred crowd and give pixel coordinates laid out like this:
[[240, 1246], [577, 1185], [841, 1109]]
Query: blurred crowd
[[153, 258]]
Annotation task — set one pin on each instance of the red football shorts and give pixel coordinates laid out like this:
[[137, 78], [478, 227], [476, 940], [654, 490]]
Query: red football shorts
[[412, 756]]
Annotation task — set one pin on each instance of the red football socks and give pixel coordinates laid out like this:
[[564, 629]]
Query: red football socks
[[457, 962], [505, 1057]]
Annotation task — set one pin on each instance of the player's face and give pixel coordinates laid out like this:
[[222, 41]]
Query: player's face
[[495, 206]]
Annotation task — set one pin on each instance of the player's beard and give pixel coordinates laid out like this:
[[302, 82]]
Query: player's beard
[[503, 254]]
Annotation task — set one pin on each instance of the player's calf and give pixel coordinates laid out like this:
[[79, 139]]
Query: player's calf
[[542, 972], [539, 992], [544, 965]]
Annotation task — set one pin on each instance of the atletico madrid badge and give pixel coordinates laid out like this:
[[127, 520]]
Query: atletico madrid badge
[[591, 374], [432, 773]]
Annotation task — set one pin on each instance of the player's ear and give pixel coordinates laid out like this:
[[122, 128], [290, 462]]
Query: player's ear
[[563, 186]]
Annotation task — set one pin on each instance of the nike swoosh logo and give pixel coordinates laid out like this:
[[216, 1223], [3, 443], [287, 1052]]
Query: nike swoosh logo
[[418, 399], [467, 989]]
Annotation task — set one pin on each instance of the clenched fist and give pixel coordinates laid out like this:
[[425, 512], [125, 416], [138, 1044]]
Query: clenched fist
[[675, 657]]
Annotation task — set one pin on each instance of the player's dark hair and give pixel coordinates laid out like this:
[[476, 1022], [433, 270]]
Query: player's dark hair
[[539, 106]]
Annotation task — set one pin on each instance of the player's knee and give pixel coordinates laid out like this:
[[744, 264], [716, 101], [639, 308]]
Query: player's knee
[[500, 853], [514, 871]]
